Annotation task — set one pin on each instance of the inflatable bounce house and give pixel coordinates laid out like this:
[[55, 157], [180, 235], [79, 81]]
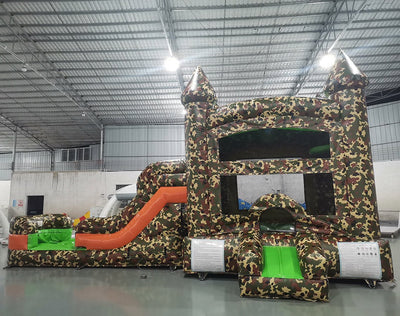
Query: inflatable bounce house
[[279, 191]]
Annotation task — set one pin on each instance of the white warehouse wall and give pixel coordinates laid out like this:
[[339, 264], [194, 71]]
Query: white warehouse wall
[[251, 187], [4, 193], [135, 147], [387, 182], [73, 193], [77, 192], [384, 127]]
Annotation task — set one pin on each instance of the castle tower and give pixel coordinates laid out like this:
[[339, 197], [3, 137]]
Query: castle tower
[[199, 100], [345, 86]]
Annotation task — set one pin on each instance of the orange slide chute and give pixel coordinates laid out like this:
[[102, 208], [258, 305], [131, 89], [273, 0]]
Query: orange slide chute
[[163, 196]]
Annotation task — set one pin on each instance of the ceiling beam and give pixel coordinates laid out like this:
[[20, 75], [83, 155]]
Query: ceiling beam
[[131, 76], [385, 96], [177, 8], [198, 47], [52, 75], [44, 108], [322, 42], [163, 81], [184, 30], [72, 37], [172, 9], [298, 15], [190, 68], [215, 57], [167, 24], [41, 36], [16, 128], [204, 55], [327, 28]]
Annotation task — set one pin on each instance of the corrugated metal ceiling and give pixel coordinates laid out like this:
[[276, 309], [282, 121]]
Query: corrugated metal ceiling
[[93, 63]]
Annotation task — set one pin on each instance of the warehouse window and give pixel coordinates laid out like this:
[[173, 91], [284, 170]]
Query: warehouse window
[[64, 155], [83, 153], [71, 155], [76, 154]]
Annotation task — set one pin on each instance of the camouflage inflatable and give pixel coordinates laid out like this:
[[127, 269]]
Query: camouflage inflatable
[[324, 143], [159, 244]]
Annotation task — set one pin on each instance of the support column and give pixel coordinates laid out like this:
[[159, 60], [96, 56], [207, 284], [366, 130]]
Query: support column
[[14, 152], [52, 160], [101, 147]]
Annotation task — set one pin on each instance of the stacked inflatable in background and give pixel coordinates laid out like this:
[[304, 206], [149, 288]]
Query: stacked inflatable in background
[[276, 246]]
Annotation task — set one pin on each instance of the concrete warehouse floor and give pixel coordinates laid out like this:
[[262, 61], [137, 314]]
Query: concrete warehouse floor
[[58, 292]]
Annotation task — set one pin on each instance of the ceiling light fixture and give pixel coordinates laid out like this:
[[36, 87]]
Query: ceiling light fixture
[[24, 68], [327, 61], [83, 114], [171, 63]]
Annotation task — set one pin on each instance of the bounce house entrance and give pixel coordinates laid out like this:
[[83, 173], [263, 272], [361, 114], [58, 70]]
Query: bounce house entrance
[[279, 261], [276, 219], [284, 262]]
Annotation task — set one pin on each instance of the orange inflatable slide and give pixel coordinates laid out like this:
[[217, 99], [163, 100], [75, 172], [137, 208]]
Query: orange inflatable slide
[[120, 238]]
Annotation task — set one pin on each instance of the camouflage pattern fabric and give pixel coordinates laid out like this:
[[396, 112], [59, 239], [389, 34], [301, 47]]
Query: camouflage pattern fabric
[[155, 175], [161, 250], [386, 260], [24, 225], [264, 108], [278, 239], [345, 75], [159, 244], [314, 286], [311, 256], [307, 290], [198, 89], [250, 253], [343, 116], [322, 115]]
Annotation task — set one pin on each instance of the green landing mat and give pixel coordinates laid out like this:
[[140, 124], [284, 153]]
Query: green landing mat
[[62, 245], [52, 239], [281, 262]]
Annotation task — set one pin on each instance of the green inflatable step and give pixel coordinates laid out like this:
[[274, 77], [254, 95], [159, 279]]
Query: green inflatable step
[[281, 262]]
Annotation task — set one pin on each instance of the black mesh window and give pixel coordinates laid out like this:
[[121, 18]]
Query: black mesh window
[[274, 143], [319, 194], [312, 191], [229, 195]]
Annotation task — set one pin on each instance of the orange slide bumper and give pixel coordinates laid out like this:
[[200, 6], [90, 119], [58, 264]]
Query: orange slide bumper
[[18, 242], [163, 196]]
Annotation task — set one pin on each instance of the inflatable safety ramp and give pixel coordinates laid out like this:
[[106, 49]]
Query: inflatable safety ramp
[[282, 271]]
